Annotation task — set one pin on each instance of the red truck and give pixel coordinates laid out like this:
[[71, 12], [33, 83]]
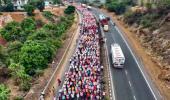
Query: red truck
[[104, 22]]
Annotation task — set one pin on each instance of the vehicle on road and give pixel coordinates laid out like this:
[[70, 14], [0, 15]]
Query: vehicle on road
[[104, 22], [118, 58], [89, 7], [83, 5]]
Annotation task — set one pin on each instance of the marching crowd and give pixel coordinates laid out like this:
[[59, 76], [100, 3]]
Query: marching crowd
[[83, 80]]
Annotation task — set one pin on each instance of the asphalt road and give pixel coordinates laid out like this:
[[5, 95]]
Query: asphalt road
[[129, 82]]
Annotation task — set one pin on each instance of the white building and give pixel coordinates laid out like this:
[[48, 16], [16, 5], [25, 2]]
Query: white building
[[18, 4]]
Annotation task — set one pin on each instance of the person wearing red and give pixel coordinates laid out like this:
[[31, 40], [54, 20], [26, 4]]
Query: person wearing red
[[59, 81]]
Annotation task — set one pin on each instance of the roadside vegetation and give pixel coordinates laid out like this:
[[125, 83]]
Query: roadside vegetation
[[4, 92], [117, 6], [31, 47], [48, 15]]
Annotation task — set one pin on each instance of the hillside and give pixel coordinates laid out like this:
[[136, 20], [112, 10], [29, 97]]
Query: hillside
[[152, 28]]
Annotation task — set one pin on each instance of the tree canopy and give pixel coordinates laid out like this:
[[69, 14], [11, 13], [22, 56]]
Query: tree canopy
[[69, 10], [34, 55], [29, 9], [4, 92]]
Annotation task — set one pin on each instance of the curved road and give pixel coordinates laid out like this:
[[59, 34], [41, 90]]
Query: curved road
[[130, 83]]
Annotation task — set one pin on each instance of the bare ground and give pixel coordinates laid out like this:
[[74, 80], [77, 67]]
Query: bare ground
[[151, 65], [104, 63]]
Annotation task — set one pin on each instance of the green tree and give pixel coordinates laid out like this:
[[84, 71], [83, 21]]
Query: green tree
[[4, 92], [39, 23], [48, 15], [12, 31], [56, 1], [40, 35], [3, 56], [28, 24], [13, 50], [18, 72], [69, 10], [117, 7], [6, 5], [40, 5], [29, 9], [34, 55], [9, 7]]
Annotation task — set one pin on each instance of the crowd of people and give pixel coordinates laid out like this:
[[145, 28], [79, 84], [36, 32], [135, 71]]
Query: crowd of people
[[83, 80]]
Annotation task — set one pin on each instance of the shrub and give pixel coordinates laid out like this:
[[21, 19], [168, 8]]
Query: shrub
[[4, 92], [3, 56], [34, 55], [9, 7], [39, 35], [19, 98], [28, 24], [117, 7], [39, 23], [132, 17], [148, 19], [146, 23], [25, 85], [13, 50], [148, 5], [29, 9], [11, 32], [40, 5], [69, 10], [48, 15]]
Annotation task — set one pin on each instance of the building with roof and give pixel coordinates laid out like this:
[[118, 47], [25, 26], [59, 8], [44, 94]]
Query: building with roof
[[18, 4]]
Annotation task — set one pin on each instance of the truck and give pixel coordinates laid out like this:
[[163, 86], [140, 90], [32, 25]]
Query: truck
[[104, 22], [118, 58], [89, 7]]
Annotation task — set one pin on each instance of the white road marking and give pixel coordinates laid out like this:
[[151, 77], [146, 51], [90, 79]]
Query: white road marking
[[134, 97], [130, 84], [136, 63], [126, 72]]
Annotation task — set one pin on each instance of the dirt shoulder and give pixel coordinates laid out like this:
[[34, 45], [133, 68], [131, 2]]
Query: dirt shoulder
[[151, 65]]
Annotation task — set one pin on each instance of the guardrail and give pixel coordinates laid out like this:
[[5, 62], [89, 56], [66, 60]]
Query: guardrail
[[52, 80]]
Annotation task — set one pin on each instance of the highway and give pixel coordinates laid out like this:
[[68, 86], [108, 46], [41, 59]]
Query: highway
[[131, 82]]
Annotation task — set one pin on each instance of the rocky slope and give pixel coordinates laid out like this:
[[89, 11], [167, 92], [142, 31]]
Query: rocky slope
[[157, 43]]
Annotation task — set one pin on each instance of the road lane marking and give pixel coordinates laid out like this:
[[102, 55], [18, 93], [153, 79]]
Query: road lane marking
[[134, 97], [126, 72], [130, 84], [136, 62]]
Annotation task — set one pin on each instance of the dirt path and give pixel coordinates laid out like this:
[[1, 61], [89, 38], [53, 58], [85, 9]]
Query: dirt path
[[151, 66]]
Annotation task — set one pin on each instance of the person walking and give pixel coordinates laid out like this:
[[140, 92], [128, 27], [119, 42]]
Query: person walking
[[59, 81]]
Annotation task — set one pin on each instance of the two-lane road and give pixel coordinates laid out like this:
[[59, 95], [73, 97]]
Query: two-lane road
[[130, 82]]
